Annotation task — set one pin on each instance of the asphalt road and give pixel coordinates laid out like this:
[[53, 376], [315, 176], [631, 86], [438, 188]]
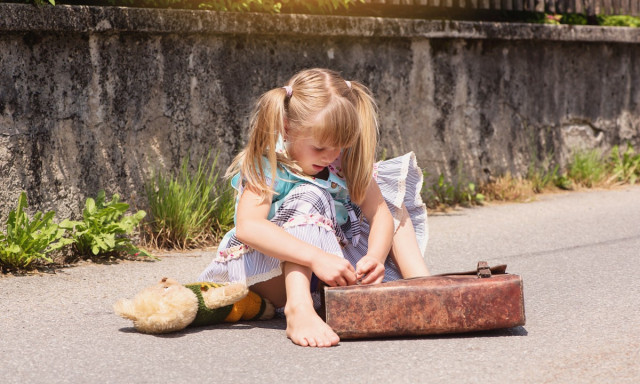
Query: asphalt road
[[578, 254]]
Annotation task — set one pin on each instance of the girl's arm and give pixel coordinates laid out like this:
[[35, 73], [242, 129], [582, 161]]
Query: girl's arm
[[254, 230], [380, 220]]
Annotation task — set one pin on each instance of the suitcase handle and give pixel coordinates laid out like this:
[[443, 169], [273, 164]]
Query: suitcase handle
[[482, 271]]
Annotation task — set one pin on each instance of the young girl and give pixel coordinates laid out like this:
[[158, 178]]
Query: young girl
[[312, 205]]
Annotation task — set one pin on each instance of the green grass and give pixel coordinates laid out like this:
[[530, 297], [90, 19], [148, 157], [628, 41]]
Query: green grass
[[442, 194], [587, 168], [188, 209], [624, 168]]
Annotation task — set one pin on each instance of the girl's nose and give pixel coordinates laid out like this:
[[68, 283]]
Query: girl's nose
[[331, 155]]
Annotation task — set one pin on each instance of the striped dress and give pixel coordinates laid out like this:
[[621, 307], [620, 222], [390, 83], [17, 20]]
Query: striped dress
[[319, 212]]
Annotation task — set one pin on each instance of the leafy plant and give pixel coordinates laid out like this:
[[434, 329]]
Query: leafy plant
[[553, 19], [574, 19], [586, 168], [442, 194], [27, 240], [543, 177], [624, 168], [104, 227], [188, 209], [563, 182]]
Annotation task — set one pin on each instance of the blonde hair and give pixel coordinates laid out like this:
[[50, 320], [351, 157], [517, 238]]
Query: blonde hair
[[322, 104]]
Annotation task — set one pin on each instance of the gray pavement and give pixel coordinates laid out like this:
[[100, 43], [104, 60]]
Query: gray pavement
[[578, 254]]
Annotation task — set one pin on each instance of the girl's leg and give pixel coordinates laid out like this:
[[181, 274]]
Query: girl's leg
[[292, 291], [405, 250], [272, 290], [304, 326]]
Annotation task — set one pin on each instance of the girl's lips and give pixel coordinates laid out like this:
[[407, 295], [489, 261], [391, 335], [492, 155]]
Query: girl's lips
[[317, 168]]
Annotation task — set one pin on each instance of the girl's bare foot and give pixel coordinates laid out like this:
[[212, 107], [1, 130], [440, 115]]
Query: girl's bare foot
[[306, 328]]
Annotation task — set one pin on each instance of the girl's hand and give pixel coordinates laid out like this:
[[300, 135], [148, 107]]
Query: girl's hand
[[370, 270], [333, 270]]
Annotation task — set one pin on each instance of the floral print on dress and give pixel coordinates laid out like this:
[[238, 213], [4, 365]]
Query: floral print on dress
[[375, 171], [310, 219], [232, 253], [336, 168]]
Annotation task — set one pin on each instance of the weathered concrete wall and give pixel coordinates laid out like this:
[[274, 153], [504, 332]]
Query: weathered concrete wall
[[97, 98]]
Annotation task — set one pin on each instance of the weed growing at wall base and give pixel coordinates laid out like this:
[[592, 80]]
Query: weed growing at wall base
[[104, 229], [189, 209], [625, 167], [29, 240], [585, 169], [509, 188], [443, 194]]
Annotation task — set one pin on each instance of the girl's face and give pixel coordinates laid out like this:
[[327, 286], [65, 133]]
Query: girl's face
[[311, 155]]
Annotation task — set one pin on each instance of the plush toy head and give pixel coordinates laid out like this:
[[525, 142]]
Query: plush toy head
[[165, 307]]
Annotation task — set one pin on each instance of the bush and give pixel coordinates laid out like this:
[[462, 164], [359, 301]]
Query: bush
[[619, 21], [29, 240], [587, 168], [104, 229], [188, 209], [443, 194], [624, 168]]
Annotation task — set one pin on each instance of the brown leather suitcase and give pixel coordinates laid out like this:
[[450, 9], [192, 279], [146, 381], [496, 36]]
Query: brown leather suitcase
[[485, 299]]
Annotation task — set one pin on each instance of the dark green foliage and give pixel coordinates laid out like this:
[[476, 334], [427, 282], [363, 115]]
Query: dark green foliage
[[574, 19]]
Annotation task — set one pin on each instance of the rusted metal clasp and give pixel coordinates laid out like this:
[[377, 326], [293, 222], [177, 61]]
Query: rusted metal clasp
[[483, 269]]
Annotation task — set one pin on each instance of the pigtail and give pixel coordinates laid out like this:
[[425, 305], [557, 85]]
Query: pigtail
[[357, 161], [267, 124]]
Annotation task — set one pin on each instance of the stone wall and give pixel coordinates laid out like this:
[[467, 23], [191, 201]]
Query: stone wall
[[98, 98]]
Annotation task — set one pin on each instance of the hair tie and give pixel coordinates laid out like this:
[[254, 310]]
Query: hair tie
[[348, 83], [289, 90]]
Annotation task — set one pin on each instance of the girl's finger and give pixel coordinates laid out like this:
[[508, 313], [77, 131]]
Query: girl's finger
[[364, 267], [374, 276], [351, 278]]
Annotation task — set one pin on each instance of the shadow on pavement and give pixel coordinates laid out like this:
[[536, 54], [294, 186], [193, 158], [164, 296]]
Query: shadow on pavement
[[515, 331], [278, 324]]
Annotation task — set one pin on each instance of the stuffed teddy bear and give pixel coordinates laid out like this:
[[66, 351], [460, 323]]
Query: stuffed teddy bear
[[170, 306]]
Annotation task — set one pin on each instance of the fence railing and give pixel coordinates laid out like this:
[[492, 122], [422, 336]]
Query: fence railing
[[588, 7]]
